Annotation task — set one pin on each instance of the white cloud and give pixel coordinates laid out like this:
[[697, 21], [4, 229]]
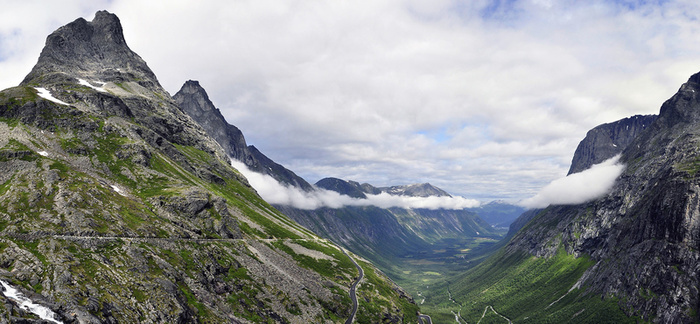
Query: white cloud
[[277, 193], [578, 188], [464, 95]]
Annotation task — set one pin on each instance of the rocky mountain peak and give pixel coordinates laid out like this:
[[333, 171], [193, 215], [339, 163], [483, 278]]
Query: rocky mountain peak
[[194, 101], [91, 50], [643, 235], [607, 140], [683, 106], [198, 103]]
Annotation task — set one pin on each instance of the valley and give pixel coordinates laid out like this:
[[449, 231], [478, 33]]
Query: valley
[[123, 204]]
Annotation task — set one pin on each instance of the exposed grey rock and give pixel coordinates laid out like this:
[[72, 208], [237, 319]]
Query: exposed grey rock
[[194, 101], [91, 50], [645, 234], [119, 208], [605, 141]]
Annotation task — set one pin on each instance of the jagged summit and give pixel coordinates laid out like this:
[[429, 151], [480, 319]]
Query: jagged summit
[[194, 101], [92, 50], [642, 238], [682, 108], [116, 207]]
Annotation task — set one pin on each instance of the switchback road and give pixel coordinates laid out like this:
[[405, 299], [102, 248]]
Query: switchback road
[[353, 289]]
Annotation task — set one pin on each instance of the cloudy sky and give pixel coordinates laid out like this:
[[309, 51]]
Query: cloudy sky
[[485, 99]]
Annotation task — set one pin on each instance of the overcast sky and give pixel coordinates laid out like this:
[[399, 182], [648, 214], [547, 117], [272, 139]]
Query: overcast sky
[[485, 99]]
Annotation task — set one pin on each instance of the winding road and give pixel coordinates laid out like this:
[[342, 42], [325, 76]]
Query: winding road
[[353, 288], [424, 319]]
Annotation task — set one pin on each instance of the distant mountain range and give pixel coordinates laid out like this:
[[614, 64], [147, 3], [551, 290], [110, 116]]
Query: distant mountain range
[[356, 190], [384, 236]]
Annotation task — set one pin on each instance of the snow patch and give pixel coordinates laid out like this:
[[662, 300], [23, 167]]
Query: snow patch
[[25, 303], [87, 84], [43, 153], [44, 93], [118, 190]]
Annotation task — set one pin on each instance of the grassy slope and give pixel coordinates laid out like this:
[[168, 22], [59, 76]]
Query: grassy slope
[[108, 213], [526, 289]]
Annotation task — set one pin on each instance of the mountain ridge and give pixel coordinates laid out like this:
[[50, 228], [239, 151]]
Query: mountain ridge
[[118, 207], [194, 101], [630, 255]]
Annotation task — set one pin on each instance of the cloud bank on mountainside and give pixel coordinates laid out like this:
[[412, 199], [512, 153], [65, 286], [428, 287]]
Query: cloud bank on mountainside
[[275, 192], [578, 188]]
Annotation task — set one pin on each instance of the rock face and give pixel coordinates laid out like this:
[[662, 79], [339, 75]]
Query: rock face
[[642, 238], [607, 140], [194, 101], [116, 207], [91, 50]]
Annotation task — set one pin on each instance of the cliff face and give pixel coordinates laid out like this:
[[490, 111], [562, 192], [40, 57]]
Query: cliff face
[[642, 238], [607, 140], [115, 206]]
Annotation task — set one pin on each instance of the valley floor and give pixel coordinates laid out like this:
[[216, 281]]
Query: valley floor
[[427, 274]]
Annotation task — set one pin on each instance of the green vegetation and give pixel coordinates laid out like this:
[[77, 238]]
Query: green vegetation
[[340, 264], [690, 167], [374, 288], [525, 289], [158, 251]]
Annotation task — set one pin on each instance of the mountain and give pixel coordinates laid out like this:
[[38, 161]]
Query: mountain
[[629, 256], [349, 188], [428, 225], [608, 140], [386, 236], [117, 207], [378, 234], [194, 101], [416, 190], [356, 190]]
